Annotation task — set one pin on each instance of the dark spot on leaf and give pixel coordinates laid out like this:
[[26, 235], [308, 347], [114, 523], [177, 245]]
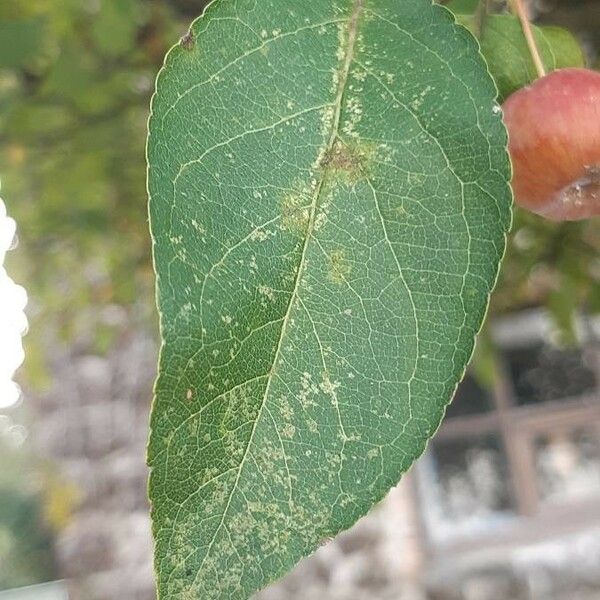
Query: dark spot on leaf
[[188, 41]]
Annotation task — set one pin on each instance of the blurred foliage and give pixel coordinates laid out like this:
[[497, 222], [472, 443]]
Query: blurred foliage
[[551, 264], [25, 555], [507, 54], [75, 83], [462, 7], [25, 537]]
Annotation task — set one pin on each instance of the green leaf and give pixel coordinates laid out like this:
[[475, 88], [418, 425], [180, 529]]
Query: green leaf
[[508, 57], [462, 6], [566, 50], [115, 26], [21, 41], [328, 203]]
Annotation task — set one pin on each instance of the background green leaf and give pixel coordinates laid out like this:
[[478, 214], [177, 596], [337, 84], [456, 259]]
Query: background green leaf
[[115, 26], [506, 52], [462, 6], [329, 203], [21, 40]]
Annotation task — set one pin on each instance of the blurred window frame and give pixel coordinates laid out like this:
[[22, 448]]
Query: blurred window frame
[[519, 426]]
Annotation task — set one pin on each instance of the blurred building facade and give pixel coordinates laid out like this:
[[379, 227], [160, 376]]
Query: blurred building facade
[[93, 423]]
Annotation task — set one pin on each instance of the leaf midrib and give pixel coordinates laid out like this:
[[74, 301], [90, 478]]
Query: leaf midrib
[[352, 34]]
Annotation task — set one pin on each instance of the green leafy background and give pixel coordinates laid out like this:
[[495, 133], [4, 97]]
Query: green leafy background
[[505, 49]]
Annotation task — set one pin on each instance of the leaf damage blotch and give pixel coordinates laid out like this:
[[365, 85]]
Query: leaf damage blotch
[[339, 267], [348, 160], [295, 212]]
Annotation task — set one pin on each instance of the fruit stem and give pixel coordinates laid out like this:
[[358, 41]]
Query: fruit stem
[[519, 7]]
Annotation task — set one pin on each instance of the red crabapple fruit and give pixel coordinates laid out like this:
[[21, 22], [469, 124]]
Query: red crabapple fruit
[[554, 143]]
